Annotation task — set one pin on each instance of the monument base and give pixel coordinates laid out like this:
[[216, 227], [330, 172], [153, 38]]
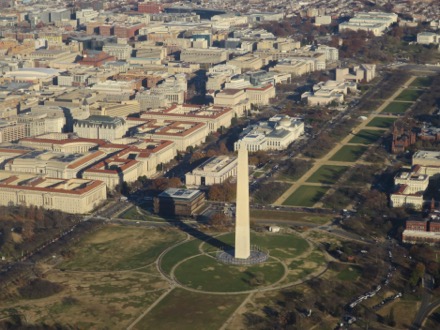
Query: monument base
[[257, 256]]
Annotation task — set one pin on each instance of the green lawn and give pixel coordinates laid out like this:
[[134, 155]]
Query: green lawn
[[139, 213], [179, 253], [421, 82], [349, 274], [257, 174], [327, 174], [306, 196], [288, 216], [409, 95], [366, 136], [119, 248], [396, 108], [208, 274], [349, 153], [186, 310], [381, 122], [279, 245]]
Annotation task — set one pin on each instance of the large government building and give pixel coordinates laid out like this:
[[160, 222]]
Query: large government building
[[275, 134], [76, 196], [215, 170]]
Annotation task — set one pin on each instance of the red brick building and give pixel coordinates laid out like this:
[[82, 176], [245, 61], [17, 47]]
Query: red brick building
[[106, 30], [124, 31], [417, 225], [150, 7], [95, 59], [402, 139], [434, 226]]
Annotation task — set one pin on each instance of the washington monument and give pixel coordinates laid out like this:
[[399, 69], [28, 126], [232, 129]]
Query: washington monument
[[242, 224]]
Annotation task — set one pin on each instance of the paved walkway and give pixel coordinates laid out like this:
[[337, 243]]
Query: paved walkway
[[345, 141]]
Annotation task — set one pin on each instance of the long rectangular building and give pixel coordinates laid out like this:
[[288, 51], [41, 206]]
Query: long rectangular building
[[77, 196]]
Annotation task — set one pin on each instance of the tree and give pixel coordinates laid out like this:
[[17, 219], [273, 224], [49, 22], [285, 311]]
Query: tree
[[219, 220], [223, 149], [224, 192], [391, 319], [417, 273]]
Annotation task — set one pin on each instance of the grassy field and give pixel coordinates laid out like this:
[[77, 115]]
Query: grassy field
[[119, 248], [396, 108], [139, 213], [351, 273], [404, 313], [306, 196], [381, 122], [257, 174], [205, 273], [327, 174], [179, 253], [366, 136], [106, 290], [349, 153], [409, 95], [296, 216], [421, 82], [279, 245], [185, 310]]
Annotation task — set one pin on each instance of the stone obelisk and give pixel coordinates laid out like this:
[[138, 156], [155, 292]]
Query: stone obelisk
[[242, 224]]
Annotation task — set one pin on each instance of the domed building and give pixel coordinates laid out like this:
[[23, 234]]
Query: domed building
[[274, 134]]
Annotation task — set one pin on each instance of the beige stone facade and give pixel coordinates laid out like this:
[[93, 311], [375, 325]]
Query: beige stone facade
[[214, 171], [247, 62], [234, 98], [213, 116], [183, 133], [53, 164], [77, 196]]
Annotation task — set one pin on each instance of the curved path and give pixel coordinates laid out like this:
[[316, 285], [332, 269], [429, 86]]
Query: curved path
[[174, 283]]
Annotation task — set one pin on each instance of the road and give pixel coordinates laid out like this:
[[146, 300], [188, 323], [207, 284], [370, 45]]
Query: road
[[426, 307], [326, 160]]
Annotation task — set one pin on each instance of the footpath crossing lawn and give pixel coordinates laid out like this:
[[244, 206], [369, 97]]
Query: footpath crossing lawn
[[349, 153], [409, 95], [327, 174], [306, 196], [366, 136], [396, 108], [381, 122]]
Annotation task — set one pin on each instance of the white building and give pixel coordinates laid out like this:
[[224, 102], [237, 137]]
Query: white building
[[236, 99], [100, 127], [214, 171], [120, 51], [219, 75], [363, 72], [327, 92], [410, 186], [275, 134], [375, 22], [323, 20], [171, 91], [426, 38]]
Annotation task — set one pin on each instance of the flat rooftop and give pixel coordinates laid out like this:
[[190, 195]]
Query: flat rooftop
[[215, 164], [176, 193], [423, 154], [23, 181]]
